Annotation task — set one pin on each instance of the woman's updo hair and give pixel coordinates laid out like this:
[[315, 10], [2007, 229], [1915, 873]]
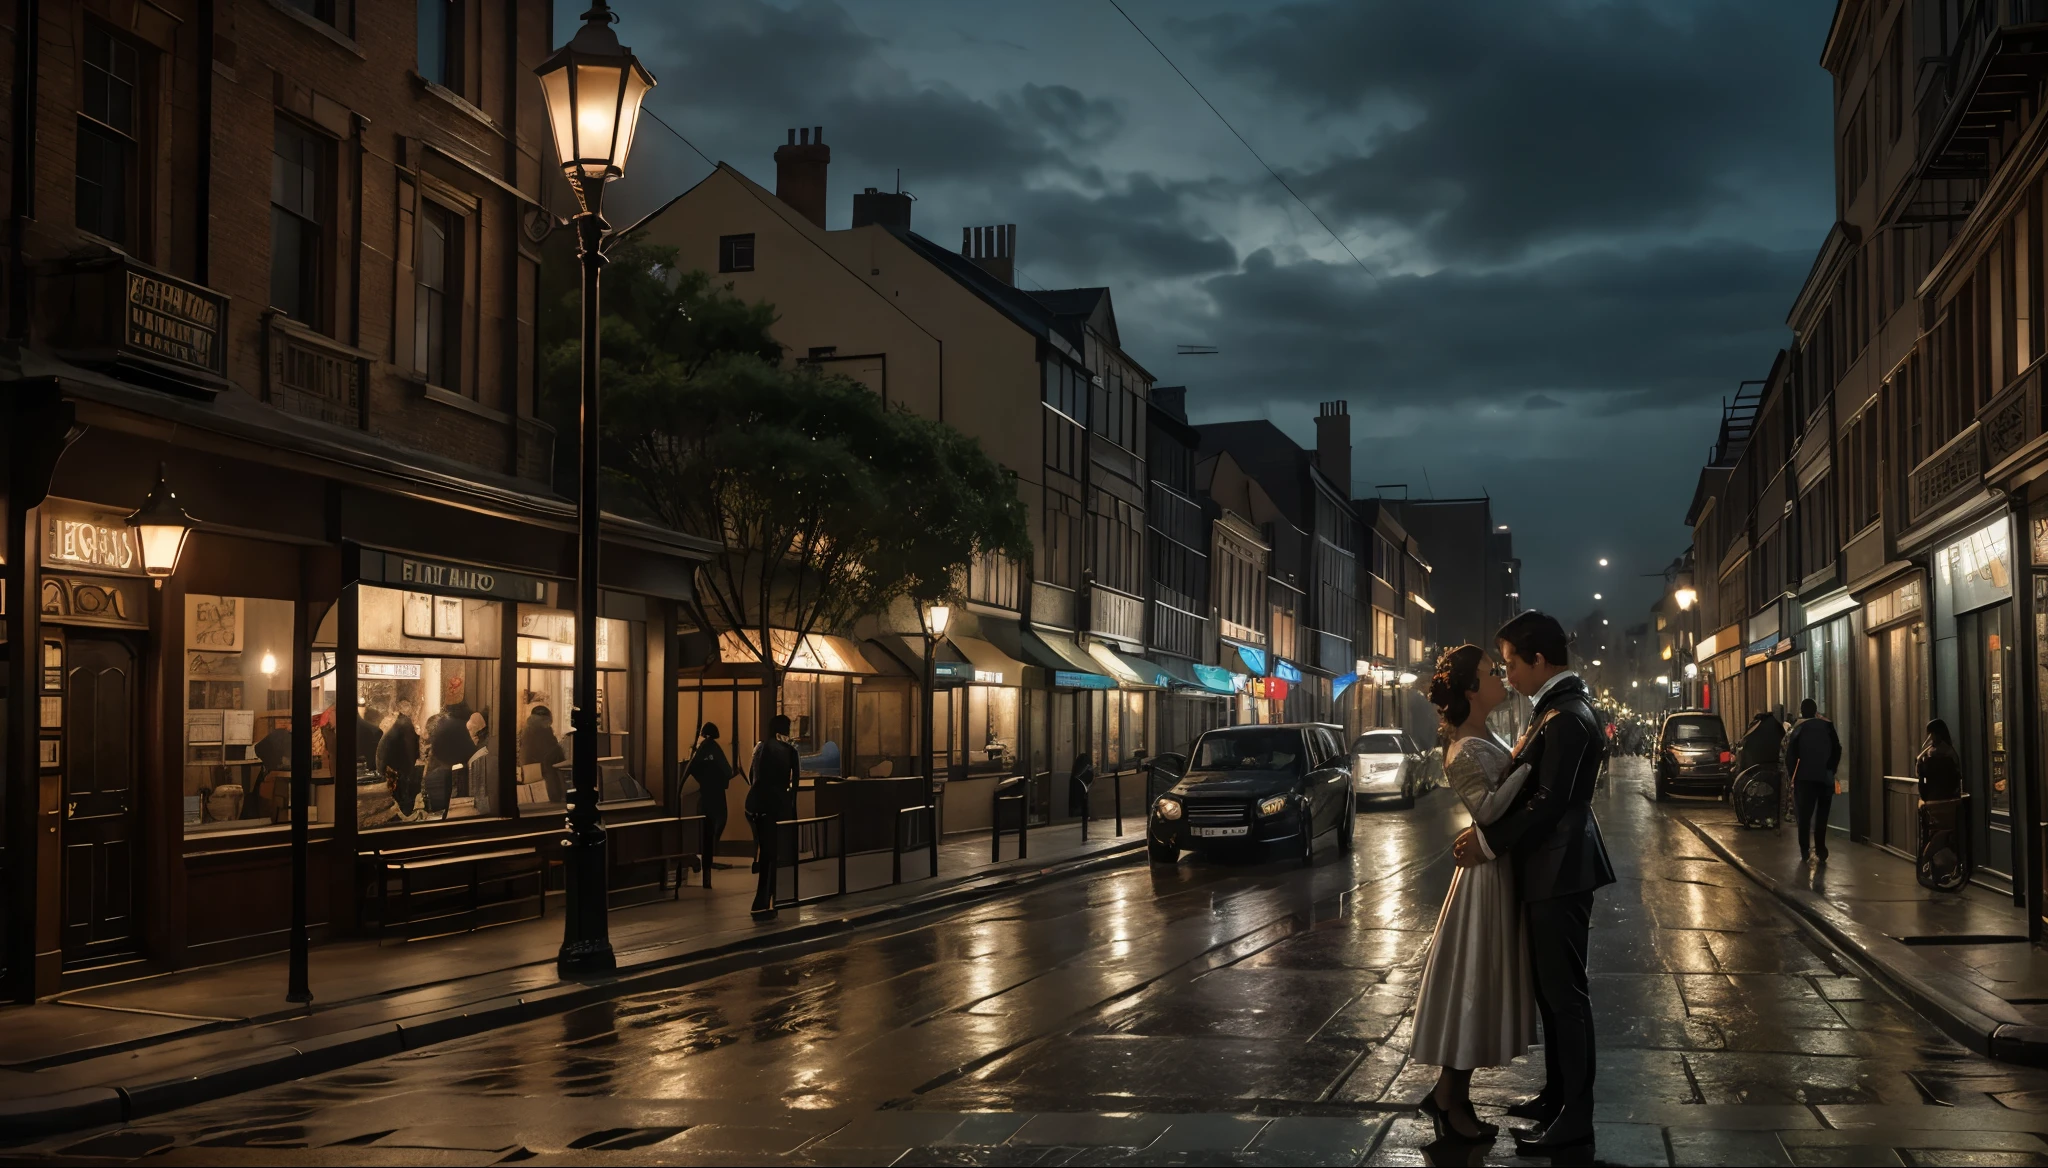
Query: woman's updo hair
[[1457, 675]]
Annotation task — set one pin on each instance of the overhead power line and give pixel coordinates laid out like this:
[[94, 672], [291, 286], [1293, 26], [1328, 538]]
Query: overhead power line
[[1241, 140], [679, 135]]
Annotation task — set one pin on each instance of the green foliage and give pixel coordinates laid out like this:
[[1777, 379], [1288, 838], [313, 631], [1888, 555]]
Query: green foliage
[[828, 504]]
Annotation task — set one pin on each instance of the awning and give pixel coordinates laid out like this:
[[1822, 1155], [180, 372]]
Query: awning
[[1217, 679], [1070, 667], [991, 665], [1208, 680], [818, 652], [1254, 659], [1286, 670], [1339, 684], [1130, 672]]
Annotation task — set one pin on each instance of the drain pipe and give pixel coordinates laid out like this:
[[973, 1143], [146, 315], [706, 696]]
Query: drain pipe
[[22, 196]]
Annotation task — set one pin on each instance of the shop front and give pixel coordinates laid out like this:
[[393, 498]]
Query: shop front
[[1069, 683], [1976, 686], [1828, 641], [404, 638], [1198, 697], [1897, 705]]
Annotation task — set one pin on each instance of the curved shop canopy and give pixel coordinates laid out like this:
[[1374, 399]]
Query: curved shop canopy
[[1069, 665], [816, 653]]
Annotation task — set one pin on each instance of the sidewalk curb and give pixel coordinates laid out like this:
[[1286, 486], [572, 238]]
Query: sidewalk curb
[[1972, 1016], [121, 1100]]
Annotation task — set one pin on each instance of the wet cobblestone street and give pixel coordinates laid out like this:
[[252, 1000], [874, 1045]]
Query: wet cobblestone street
[[1248, 1012]]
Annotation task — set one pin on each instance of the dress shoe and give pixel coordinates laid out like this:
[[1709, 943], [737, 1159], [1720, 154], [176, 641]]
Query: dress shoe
[[764, 914], [1447, 1130], [1822, 853], [1535, 1107], [1533, 1142]]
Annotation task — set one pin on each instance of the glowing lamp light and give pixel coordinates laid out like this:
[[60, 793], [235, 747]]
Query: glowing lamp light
[[1685, 598], [1603, 561], [1691, 670], [1663, 679], [161, 527], [593, 87], [1596, 596], [1407, 679], [936, 618], [269, 665]]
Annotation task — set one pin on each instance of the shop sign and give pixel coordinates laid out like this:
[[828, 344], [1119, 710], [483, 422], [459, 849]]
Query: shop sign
[[988, 677], [1072, 679], [387, 670], [423, 575], [1979, 567], [89, 539], [951, 670], [173, 321]]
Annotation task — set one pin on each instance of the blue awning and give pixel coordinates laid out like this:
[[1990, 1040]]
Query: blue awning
[[1254, 659], [1286, 670], [1339, 684], [1215, 678], [1069, 679]]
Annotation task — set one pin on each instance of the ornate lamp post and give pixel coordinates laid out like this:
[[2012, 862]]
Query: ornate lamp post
[[593, 87], [161, 528], [936, 618]]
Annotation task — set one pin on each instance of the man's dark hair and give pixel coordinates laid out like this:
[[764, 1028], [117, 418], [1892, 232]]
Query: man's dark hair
[[1808, 708], [1533, 632]]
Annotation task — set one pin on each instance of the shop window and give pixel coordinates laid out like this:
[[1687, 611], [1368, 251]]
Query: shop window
[[237, 720], [881, 724], [990, 727], [109, 130], [816, 705], [437, 302], [298, 181], [426, 708], [735, 710], [546, 654]]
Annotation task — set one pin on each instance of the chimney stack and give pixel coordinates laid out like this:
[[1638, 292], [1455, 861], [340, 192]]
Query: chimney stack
[[800, 172], [1333, 443], [993, 249], [1173, 399], [882, 208]]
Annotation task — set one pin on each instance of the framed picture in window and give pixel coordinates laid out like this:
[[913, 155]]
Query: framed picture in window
[[50, 751], [214, 624], [52, 712], [419, 615]]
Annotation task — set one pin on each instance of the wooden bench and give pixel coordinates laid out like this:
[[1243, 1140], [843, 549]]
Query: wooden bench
[[415, 868]]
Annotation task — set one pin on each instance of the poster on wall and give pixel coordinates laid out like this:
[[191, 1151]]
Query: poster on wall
[[215, 625], [447, 618], [419, 615]]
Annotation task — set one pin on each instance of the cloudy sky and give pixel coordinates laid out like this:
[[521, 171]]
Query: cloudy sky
[[1578, 223]]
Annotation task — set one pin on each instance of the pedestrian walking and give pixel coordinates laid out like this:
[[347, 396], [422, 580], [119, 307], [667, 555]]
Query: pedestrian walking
[[1939, 767], [1763, 744], [1812, 752], [1475, 1006], [771, 800], [708, 765]]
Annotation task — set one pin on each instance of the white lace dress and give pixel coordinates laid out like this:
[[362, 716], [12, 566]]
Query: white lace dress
[[1475, 1006]]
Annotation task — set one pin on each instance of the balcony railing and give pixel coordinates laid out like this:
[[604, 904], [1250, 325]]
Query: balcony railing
[[1116, 615], [1967, 94], [1946, 475], [2013, 418], [1177, 631], [313, 376]]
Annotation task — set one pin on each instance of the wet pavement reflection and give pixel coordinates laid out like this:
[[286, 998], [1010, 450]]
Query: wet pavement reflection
[[1243, 1011]]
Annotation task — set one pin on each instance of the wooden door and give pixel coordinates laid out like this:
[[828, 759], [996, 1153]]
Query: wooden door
[[102, 686]]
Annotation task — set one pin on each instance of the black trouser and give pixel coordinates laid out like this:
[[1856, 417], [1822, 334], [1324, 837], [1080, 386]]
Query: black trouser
[[767, 842], [1558, 931], [1812, 800], [711, 805]]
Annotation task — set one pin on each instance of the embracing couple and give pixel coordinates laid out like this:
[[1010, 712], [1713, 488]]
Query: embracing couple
[[1510, 946]]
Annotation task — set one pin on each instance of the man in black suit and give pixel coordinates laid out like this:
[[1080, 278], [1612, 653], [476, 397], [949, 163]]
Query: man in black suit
[[1554, 843]]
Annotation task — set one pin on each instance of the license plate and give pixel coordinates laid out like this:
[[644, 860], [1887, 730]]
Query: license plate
[[1211, 832]]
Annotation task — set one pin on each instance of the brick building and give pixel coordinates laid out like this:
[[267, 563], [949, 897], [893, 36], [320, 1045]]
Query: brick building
[[288, 250]]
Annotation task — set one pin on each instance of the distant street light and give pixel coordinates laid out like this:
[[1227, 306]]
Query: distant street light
[[1691, 670], [1603, 561], [1685, 598], [1596, 596]]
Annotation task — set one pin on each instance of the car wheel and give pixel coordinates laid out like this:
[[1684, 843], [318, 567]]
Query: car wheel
[[1162, 853], [1347, 827]]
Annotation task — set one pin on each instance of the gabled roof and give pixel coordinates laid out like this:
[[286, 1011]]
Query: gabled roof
[[1088, 305], [1023, 310]]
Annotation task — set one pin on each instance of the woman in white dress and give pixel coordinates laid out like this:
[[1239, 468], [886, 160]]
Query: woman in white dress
[[1474, 1007]]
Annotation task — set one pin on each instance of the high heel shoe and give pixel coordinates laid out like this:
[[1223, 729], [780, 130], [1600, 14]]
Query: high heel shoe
[[1486, 1130], [1445, 1128]]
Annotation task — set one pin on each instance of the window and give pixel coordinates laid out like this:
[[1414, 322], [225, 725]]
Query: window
[[437, 342], [1895, 84], [109, 126], [546, 655], [298, 178], [238, 716], [338, 13], [736, 253], [441, 42], [1384, 637], [426, 707]]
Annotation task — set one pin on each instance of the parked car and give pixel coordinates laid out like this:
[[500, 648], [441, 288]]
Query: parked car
[[1247, 785], [1693, 755], [1388, 763]]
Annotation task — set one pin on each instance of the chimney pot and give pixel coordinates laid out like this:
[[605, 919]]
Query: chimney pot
[[818, 135], [800, 170], [993, 248], [1333, 443], [792, 135]]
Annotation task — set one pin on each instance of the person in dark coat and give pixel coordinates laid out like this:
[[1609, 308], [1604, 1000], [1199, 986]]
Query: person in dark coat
[[1939, 766], [1080, 780], [540, 746], [369, 732], [772, 798], [713, 773], [398, 758], [1763, 744], [448, 746], [1812, 752]]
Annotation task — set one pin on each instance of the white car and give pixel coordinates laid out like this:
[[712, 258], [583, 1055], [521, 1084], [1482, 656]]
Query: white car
[[1388, 764]]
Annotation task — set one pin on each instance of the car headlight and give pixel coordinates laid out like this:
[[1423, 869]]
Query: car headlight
[[1169, 808], [1273, 806]]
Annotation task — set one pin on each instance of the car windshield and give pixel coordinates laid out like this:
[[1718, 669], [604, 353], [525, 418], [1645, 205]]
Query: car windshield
[[1250, 750], [1377, 744], [1694, 731]]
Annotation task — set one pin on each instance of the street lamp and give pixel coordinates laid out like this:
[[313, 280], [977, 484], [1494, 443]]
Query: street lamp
[[593, 87], [936, 618], [1685, 598], [161, 527]]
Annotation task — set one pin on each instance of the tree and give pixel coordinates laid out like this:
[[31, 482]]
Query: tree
[[828, 505]]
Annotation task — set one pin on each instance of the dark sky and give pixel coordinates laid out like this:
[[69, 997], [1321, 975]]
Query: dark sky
[[1584, 221]]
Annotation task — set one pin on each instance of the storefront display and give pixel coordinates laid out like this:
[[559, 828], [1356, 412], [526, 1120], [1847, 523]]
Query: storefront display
[[427, 684], [545, 657]]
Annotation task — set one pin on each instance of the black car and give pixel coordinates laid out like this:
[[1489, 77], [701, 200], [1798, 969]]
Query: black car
[[1257, 785], [1693, 756]]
